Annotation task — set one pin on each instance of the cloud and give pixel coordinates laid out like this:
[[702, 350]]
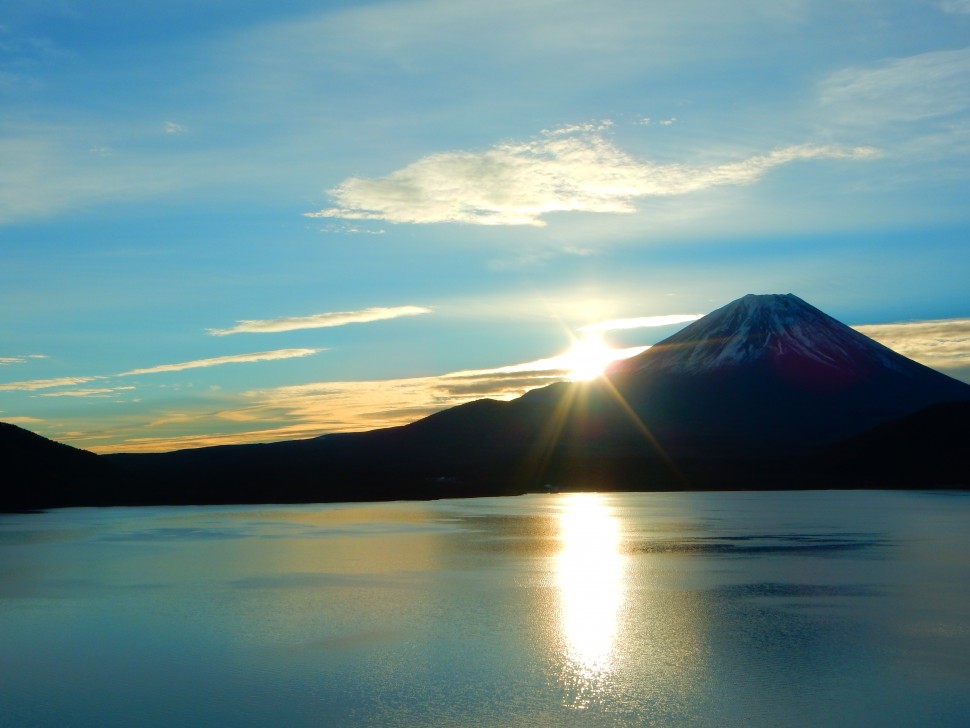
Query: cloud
[[22, 420], [34, 384], [957, 7], [220, 360], [172, 128], [319, 320], [495, 385], [518, 183], [569, 129], [900, 89], [641, 322], [561, 363], [93, 392], [941, 343], [4, 360]]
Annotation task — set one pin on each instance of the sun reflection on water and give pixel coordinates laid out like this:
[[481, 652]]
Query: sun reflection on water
[[590, 574]]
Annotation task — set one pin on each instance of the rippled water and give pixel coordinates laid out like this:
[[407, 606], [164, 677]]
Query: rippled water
[[702, 609]]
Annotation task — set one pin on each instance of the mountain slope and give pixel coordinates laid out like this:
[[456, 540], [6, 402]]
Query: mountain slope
[[927, 447], [38, 472]]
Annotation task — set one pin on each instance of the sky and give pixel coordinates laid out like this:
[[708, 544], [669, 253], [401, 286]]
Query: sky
[[250, 221]]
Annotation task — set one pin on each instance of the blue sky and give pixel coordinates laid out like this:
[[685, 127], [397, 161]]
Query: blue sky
[[413, 201]]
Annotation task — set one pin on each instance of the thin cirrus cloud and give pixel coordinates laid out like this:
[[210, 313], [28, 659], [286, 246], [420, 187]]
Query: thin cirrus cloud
[[4, 360], [517, 183], [957, 7], [91, 392], [35, 384], [903, 89], [642, 322], [320, 320], [32, 384], [220, 360]]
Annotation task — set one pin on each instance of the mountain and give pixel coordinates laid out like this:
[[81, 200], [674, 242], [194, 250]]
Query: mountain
[[771, 374], [754, 395], [41, 473]]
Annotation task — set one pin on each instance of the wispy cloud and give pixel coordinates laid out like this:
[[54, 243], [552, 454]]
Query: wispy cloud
[[34, 384], [173, 128], [220, 360], [642, 322], [518, 183], [320, 320], [941, 343], [4, 360], [957, 7], [91, 392], [900, 89], [30, 385]]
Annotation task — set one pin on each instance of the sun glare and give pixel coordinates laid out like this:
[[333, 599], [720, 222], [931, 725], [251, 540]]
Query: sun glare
[[590, 570], [588, 358]]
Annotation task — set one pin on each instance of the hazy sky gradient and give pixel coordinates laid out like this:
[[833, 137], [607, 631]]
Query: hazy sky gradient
[[246, 221]]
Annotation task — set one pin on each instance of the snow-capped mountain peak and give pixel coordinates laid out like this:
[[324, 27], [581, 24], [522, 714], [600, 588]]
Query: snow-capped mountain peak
[[772, 328]]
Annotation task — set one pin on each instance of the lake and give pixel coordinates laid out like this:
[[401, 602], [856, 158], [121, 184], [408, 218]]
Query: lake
[[701, 609]]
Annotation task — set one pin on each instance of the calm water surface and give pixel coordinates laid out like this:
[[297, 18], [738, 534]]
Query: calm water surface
[[701, 609]]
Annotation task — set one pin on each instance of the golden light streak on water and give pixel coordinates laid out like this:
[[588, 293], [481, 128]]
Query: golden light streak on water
[[590, 574]]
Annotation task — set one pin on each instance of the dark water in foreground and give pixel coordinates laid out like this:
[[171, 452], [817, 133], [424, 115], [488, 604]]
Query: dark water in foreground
[[702, 609]]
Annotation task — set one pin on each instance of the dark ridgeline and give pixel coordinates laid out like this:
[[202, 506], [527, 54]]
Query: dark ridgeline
[[41, 473], [766, 392]]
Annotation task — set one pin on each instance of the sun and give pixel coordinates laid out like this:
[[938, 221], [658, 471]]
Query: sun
[[588, 359]]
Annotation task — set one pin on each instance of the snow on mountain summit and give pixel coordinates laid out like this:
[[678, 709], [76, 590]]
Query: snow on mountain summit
[[772, 328]]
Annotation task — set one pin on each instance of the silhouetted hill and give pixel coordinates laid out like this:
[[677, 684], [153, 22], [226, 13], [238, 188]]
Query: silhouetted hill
[[39, 473], [928, 447]]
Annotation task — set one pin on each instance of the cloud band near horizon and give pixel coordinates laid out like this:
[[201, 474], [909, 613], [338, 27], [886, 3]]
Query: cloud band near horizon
[[642, 322], [275, 355], [939, 343]]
